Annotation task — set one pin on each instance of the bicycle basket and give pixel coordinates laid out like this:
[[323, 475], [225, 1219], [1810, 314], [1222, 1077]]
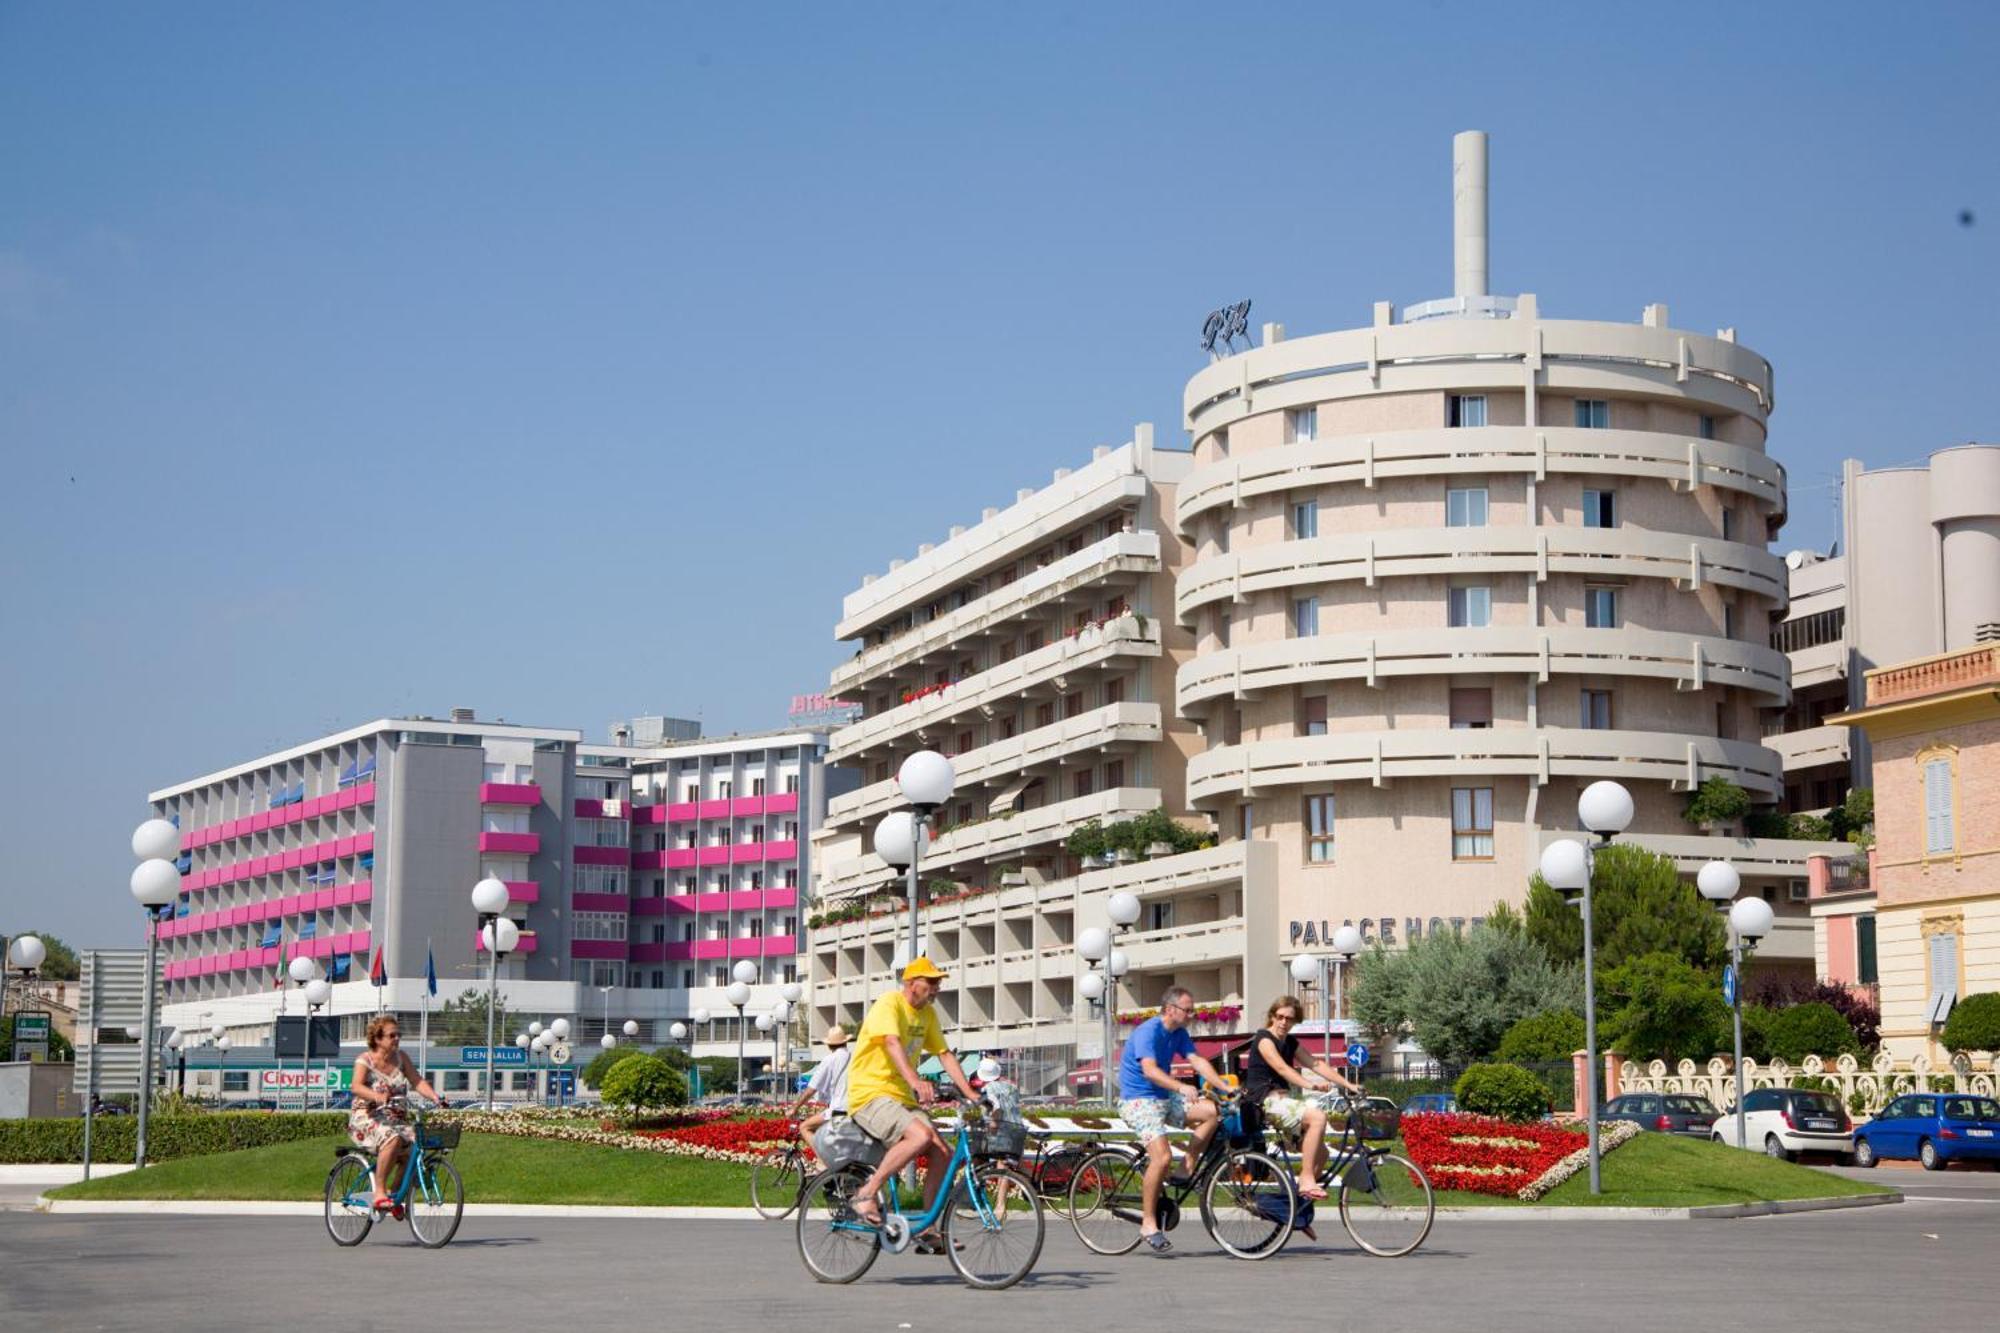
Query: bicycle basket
[[440, 1138], [997, 1138], [1381, 1122], [1243, 1122]]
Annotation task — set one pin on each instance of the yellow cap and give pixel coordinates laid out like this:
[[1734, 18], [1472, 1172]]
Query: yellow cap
[[921, 966]]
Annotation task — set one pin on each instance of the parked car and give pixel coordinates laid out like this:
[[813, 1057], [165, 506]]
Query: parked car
[[1431, 1103], [1666, 1113], [340, 1101], [1935, 1128], [1785, 1121]]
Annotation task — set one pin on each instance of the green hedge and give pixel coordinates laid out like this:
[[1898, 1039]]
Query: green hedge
[[114, 1138]]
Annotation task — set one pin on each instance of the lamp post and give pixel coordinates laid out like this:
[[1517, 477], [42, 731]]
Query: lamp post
[[1310, 970], [926, 780], [605, 991], [737, 993], [155, 883], [1749, 921], [791, 993], [1346, 944], [318, 992], [176, 1051], [499, 935], [1605, 809], [24, 954]]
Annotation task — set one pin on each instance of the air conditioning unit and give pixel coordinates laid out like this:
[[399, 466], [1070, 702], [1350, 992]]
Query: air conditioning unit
[[1795, 891]]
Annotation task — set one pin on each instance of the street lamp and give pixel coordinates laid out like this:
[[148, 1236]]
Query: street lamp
[[791, 993], [1093, 945], [605, 991], [1310, 970], [737, 993], [24, 953], [927, 780], [631, 1028], [1605, 809], [489, 899], [156, 881], [1749, 921], [1718, 883], [318, 992], [174, 1044]]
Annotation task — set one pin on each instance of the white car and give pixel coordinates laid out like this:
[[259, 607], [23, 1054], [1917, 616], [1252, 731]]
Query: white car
[[1781, 1122]]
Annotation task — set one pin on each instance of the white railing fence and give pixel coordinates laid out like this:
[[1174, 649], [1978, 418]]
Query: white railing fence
[[1864, 1088]]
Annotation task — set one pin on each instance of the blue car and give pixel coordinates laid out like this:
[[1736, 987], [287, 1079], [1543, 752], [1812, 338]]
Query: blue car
[[1935, 1128], [1431, 1103]]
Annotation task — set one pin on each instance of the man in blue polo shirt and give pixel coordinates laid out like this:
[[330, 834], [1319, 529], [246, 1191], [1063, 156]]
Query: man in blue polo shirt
[[1153, 1101]]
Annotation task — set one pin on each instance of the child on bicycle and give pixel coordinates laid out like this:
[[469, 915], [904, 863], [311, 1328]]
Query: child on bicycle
[[1270, 1073]]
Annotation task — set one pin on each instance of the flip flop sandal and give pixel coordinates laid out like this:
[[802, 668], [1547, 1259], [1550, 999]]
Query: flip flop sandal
[[1158, 1242], [931, 1243], [1315, 1193]]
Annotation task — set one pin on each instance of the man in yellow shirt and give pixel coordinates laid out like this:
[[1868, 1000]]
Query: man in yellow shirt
[[885, 1092]]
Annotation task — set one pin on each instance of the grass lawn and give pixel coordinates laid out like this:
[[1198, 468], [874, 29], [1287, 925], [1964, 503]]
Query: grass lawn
[[497, 1169], [1661, 1171]]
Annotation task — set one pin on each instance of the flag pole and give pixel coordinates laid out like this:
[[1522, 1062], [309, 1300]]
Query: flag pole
[[424, 1029]]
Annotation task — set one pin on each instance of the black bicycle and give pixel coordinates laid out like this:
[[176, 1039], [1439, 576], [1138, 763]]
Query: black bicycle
[[778, 1181], [1246, 1197], [1385, 1199]]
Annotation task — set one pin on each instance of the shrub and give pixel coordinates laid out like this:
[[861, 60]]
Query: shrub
[[1974, 1024], [1808, 1029], [1860, 1010], [115, 1138], [1717, 801], [600, 1064], [1658, 1006], [1543, 1038], [645, 1082], [1503, 1091]]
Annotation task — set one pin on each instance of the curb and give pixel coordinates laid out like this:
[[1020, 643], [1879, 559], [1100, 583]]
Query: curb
[[1704, 1213], [304, 1208], [1777, 1206]]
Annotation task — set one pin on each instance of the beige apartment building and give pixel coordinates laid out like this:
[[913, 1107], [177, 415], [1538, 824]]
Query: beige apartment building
[[1415, 586]]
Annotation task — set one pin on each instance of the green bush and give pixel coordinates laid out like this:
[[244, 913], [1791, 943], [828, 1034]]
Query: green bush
[[1974, 1024], [114, 1138], [645, 1082], [600, 1064], [1717, 801], [1543, 1038], [1505, 1091], [1809, 1029]]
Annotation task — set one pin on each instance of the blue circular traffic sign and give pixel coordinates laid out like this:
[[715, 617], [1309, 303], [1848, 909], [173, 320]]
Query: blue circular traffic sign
[[1357, 1055]]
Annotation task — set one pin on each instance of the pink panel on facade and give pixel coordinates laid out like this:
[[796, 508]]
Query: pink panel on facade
[[523, 890], [649, 860], [681, 811], [740, 852], [597, 949], [649, 814], [365, 842], [711, 949], [713, 809], [239, 959], [747, 805], [680, 858], [519, 843], [341, 847], [649, 907], [323, 898], [269, 957], [361, 939], [714, 856], [787, 850], [785, 803], [589, 809], [649, 953], [780, 946], [678, 950], [603, 856], [364, 889], [365, 794], [600, 902], [509, 793]]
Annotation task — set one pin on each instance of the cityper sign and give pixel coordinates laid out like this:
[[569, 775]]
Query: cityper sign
[[336, 1079]]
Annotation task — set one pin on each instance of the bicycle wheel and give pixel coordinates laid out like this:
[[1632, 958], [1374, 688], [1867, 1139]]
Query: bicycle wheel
[[997, 1217], [1386, 1204], [349, 1192], [1105, 1200], [834, 1244], [776, 1183], [436, 1203], [1248, 1205]]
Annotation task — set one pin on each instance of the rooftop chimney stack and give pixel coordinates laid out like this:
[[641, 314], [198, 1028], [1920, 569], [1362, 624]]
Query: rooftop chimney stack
[[1468, 213]]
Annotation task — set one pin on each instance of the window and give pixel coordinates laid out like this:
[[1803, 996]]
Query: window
[[1319, 828], [1705, 426], [1593, 413], [1600, 509], [1944, 977], [1114, 775], [1472, 823], [1809, 631], [1305, 617], [1073, 704], [1470, 607], [1939, 836], [1312, 715], [1729, 620], [1301, 425], [1600, 608], [1466, 409], [1865, 970], [1729, 523], [1080, 783], [1246, 821], [1595, 715], [1159, 916], [597, 925], [236, 1080], [1472, 709], [1465, 508], [1305, 519]]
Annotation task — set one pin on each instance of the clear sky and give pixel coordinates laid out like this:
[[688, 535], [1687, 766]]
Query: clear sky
[[572, 362]]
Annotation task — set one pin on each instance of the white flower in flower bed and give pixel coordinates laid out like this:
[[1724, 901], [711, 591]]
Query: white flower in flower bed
[[1608, 1137]]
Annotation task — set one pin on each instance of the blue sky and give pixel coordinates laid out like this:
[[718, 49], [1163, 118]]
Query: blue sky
[[571, 363]]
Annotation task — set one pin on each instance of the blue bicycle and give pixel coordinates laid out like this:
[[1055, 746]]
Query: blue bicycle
[[430, 1193], [989, 1213]]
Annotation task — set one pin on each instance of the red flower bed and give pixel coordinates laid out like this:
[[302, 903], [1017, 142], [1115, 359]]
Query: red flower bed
[[1486, 1156], [755, 1134]]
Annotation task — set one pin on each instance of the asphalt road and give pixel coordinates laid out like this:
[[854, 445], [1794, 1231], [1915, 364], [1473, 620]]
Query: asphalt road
[[1923, 1264]]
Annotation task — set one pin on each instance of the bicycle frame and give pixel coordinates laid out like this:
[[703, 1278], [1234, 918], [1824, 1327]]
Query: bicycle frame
[[961, 1161], [417, 1167]]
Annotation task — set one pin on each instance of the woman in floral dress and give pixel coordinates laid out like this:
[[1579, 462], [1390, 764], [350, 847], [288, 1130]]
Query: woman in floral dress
[[383, 1077]]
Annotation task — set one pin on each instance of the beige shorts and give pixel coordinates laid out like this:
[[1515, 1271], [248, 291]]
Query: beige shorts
[[884, 1119]]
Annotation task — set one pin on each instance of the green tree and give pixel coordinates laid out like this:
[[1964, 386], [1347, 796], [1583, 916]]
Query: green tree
[[1800, 1030], [462, 1021], [1458, 994], [718, 1073], [1974, 1024], [1658, 1006], [1505, 1091], [644, 1084], [1639, 905], [60, 1051], [1544, 1038], [600, 1064], [1717, 801]]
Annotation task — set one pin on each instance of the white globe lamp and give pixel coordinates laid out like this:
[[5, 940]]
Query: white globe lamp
[[631, 1027], [1751, 918], [896, 838], [1566, 865], [737, 994], [1605, 808], [156, 840], [1093, 944], [304, 971], [1091, 986], [318, 991], [745, 972], [791, 992], [489, 896], [1123, 909], [1120, 964], [607, 1041], [927, 779], [560, 1029], [1305, 968], [678, 1032], [155, 883], [1718, 881], [27, 953]]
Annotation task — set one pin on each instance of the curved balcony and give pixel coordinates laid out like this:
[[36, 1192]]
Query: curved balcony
[[988, 839], [1235, 771], [1124, 553], [1559, 356], [1690, 661], [1131, 723], [1535, 451], [1046, 666], [1369, 557]]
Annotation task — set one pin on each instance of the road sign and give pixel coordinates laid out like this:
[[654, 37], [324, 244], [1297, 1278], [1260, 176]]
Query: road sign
[[1357, 1055], [560, 1052], [1729, 985], [31, 1036]]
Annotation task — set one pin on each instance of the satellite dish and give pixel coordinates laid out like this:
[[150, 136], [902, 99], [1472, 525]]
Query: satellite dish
[[1795, 560]]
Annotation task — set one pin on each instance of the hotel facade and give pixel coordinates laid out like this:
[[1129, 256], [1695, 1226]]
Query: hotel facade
[[1414, 585]]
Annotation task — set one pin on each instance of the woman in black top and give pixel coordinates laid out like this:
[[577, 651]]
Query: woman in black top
[[1270, 1075]]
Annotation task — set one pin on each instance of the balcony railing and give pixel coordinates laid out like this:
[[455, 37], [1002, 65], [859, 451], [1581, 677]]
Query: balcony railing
[[1959, 670]]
